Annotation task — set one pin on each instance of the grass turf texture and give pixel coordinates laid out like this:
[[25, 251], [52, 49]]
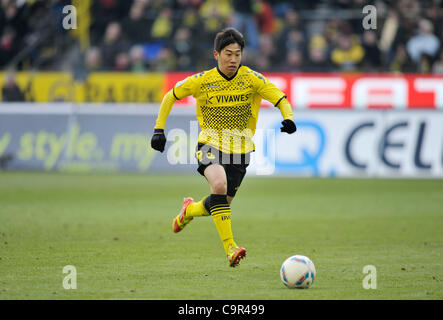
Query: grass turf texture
[[116, 230]]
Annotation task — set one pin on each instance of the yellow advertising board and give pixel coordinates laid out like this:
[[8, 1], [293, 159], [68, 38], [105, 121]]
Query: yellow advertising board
[[98, 87], [121, 87]]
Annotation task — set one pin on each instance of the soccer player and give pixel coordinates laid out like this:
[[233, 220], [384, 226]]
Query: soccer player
[[228, 100]]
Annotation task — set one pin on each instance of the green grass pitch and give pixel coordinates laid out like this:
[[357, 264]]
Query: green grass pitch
[[116, 230]]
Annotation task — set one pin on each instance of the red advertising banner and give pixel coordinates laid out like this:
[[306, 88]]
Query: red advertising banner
[[348, 91]]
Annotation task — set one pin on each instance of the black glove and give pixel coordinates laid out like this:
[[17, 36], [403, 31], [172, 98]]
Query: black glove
[[158, 140], [288, 126]]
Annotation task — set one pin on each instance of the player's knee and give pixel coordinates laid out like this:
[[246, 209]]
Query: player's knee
[[219, 186]]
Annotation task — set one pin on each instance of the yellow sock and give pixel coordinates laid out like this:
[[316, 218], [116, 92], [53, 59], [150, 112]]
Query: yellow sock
[[197, 209], [221, 214]]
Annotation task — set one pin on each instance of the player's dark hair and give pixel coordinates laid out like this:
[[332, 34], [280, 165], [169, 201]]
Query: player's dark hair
[[226, 37]]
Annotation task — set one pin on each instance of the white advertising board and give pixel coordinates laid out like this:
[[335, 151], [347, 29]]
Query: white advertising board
[[371, 143]]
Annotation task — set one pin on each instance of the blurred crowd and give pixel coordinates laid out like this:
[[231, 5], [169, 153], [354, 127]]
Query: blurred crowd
[[281, 35], [31, 30]]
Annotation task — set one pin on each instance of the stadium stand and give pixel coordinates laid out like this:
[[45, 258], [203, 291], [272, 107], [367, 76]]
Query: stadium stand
[[175, 35]]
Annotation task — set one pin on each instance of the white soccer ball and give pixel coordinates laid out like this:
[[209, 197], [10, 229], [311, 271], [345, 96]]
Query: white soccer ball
[[297, 272]]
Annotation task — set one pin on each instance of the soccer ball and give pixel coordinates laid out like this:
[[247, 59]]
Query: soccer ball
[[297, 272]]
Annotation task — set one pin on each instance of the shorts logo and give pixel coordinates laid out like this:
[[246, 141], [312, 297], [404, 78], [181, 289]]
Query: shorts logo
[[209, 155], [199, 156]]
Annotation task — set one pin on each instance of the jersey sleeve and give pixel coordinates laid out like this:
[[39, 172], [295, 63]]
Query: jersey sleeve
[[182, 89], [268, 91], [165, 109], [186, 87]]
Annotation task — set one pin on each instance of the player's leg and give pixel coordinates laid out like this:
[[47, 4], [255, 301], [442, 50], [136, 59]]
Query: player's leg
[[198, 209], [220, 210], [190, 208], [216, 176], [235, 174], [202, 207], [205, 156]]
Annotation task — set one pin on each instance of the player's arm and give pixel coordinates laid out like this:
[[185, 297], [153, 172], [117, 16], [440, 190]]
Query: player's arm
[[288, 118], [270, 92], [182, 89], [158, 140]]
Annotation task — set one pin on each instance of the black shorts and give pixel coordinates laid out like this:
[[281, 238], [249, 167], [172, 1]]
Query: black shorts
[[234, 164]]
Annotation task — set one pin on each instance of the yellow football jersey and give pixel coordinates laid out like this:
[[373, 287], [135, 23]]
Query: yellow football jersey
[[227, 108]]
